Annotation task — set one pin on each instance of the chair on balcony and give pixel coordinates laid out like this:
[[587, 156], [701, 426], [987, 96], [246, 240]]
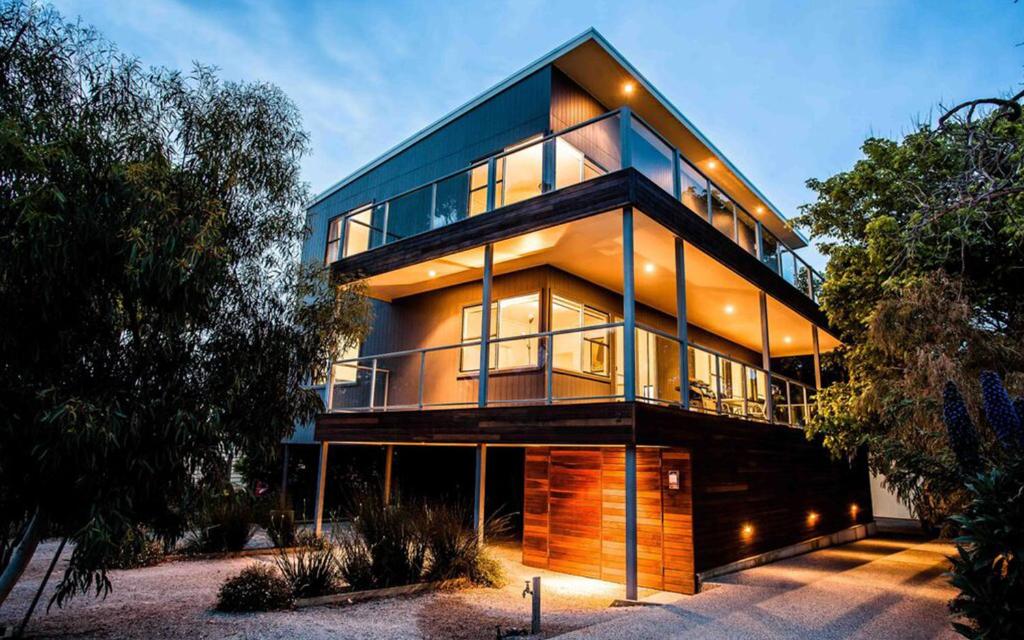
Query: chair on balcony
[[703, 397]]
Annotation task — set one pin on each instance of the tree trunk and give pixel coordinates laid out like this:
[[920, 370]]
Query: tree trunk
[[21, 555]]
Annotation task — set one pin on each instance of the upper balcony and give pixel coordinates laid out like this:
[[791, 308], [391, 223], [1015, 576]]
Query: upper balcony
[[615, 140]]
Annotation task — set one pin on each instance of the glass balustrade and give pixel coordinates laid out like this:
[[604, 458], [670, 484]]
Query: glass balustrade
[[557, 161]]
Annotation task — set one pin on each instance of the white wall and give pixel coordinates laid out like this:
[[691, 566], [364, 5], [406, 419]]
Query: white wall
[[884, 503]]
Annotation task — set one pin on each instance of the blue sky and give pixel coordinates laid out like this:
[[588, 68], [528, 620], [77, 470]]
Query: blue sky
[[787, 90]]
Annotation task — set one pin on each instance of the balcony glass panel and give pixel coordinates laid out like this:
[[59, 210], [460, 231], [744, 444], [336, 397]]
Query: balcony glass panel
[[770, 250], [722, 213], [410, 214], [651, 156], [520, 175], [816, 283], [452, 199], [693, 189], [788, 261], [757, 384], [780, 400], [703, 371], [803, 277], [732, 376], [478, 189], [657, 367], [746, 231], [357, 231]]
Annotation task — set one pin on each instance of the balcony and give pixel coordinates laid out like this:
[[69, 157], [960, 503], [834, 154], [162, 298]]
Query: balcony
[[605, 144], [568, 366]]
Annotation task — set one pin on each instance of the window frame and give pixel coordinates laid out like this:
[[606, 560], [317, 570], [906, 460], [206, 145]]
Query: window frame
[[493, 359], [583, 308]]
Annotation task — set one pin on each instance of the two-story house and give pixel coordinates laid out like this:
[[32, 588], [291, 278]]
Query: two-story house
[[565, 268]]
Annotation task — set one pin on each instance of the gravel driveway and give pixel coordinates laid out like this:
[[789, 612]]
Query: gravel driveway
[[877, 588]]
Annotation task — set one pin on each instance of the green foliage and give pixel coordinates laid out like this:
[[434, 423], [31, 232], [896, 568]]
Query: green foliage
[[226, 523], [384, 544], [988, 569], [281, 528], [311, 571], [924, 240], [454, 549], [138, 549], [259, 587], [154, 324]]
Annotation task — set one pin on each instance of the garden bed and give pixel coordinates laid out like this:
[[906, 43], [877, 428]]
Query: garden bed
[[353, 597]]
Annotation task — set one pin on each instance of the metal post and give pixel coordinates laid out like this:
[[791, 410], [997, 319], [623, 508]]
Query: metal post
[[682, 328], [492, 165], [759, 238], [373, 383], [479, 491], [433, 204], [817, 357], [549, 370], [631, 534], [329, 386], [677, 183], [628, 308], [419, 389], [389, 457], [485, 326], [548, 165], [282, 500], [766, 357], [535, 618], [718, 383], [789, 402], [321, 485], [626, 137]]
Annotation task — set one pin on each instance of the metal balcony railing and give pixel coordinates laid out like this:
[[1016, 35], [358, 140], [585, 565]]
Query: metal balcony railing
[[601, 145]]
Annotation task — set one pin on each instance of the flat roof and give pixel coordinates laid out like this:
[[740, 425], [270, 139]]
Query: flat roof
[[590, 60]]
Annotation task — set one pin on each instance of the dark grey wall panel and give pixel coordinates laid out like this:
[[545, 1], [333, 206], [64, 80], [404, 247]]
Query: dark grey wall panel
[[516, 113]]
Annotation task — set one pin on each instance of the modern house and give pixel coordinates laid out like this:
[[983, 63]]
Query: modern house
[[567, 274]]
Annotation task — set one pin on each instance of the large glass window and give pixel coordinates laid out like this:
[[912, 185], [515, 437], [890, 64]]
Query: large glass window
[[580, 351], [478, 189], [651, 156], [510, 317], [519, 175], [572, 166], [358, 226], [333, 240]]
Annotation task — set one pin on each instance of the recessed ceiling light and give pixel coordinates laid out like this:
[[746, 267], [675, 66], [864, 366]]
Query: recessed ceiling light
[[729, 309], [760, 209], [432, 273], [649, 267], [787, 339], [712, 164], [628, 88]]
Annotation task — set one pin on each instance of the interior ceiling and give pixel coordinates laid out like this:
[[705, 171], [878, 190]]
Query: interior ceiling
[[718, 299], [598, 72]]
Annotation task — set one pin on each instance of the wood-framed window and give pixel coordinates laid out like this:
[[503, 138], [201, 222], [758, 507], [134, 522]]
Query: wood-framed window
[[510, 317], [333, 240], [584, 351]]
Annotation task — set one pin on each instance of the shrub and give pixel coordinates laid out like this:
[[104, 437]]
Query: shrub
[[259, 587], [309, 539], [384, 547], [989, 566], [454, 549], [225, 524], [281, 528], [137, 549], [311, 571]]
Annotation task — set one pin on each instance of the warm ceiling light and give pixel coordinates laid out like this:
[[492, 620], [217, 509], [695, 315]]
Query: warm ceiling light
[[432, 273], [787, 339], [712, 164], [649, 267], [760, 209], [747, 530], [628, 88], [729, 309]]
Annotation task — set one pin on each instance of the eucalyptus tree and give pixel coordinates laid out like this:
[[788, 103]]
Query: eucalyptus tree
[[153, 313]]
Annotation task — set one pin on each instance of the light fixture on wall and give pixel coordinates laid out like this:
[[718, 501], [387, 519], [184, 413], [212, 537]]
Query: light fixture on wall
[[854, 510], [812, 518]]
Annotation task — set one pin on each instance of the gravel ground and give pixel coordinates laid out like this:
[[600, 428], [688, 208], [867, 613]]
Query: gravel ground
[[174, 600], [877, 588]]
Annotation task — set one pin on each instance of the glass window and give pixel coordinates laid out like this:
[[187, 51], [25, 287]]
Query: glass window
[[769, 250], [357, 231], [519, 174], [693, 189], [510, 317], [347, 373], [478, 189], [581, 351], [452, 199], [333, 240], [571, 166]]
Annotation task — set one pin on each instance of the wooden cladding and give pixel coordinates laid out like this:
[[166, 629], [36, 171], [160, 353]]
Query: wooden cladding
[[574, 515]]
